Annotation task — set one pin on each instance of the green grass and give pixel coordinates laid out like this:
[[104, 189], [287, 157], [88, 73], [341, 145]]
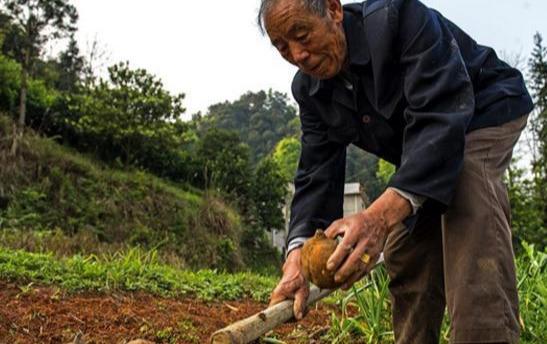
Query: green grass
[[370, 298], [365, 309], [133, 270]]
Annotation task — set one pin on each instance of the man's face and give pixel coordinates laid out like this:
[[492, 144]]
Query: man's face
[[315, 44]]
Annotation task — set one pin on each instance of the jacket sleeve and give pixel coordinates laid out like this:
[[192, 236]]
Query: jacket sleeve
[[319, 180], [440, 100]]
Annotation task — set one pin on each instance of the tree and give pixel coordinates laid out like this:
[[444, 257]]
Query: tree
[[71, 67], [286, 155], [226, 166], [118, 117], [361, 168], [261, 119], [526, 207], [269, 191], [538, 122], [385, 171], [538, 126], [38, 21]]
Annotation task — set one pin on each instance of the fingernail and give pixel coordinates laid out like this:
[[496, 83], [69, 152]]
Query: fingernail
[[337, 278], [330, 265], [299, 316]]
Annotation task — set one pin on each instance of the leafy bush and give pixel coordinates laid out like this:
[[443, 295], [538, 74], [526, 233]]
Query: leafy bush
[[10, 82]]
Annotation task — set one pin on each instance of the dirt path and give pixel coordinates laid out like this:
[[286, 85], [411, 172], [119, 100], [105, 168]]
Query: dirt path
[[47, 315]]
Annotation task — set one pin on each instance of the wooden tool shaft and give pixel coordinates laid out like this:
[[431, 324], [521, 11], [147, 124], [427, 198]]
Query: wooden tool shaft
[[247, 330]]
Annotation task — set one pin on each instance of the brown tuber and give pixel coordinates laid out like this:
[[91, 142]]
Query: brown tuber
[[315, 254]]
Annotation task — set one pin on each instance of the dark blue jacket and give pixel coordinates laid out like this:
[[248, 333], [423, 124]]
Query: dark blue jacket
[[417, 85]]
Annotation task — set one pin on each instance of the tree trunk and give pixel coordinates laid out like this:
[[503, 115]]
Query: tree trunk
[[23, 97], [20, 126]]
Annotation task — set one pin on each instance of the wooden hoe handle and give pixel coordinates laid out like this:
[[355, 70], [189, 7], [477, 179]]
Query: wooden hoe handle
[[247, 330]]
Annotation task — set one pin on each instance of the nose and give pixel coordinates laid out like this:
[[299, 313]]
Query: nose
[[298, 53]]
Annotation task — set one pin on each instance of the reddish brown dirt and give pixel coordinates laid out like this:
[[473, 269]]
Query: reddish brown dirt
[[47, 315]]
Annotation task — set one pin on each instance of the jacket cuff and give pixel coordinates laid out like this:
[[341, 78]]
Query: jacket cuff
[[294, 244], [416, 201]]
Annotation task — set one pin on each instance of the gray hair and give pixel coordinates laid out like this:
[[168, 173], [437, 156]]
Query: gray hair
[[315, 6]]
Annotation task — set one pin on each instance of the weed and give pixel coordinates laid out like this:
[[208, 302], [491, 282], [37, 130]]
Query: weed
[[371, 309], [188, 332]]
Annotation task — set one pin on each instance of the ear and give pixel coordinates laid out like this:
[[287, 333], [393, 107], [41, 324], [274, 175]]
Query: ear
[[335, 10]]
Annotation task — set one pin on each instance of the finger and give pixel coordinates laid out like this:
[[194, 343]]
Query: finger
[[343, 249], [335, 229], [286, 289], [300, 298], [356, 276], [352, 263], [276, 298]]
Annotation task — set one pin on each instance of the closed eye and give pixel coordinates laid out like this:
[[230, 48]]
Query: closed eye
[[302, 37]]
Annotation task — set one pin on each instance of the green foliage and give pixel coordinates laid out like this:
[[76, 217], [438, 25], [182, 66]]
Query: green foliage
[[385, 171], [269, 194], [41, 97], [226, 166], [260, 119], [361, 168], [538, 124], [38, 21], [70, 67], [286, 155], [532, 285], [10, 81], [372, 323], [128, 118], [51, 187], [526, 207], [33, 23], [133, 270]]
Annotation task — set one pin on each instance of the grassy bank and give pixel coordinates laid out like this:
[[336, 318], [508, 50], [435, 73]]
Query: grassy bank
[[134, 270], [51, 188]]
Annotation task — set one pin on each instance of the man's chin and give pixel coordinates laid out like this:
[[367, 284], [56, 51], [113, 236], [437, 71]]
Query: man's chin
[[323, 75]]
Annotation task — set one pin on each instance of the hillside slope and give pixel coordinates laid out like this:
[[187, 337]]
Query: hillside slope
[[48, 188]]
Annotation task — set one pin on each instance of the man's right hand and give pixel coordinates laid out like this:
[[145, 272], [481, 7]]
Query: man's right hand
[[293, 285]]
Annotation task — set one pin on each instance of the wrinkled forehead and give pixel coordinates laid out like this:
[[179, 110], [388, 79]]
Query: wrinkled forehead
[[284, 16]]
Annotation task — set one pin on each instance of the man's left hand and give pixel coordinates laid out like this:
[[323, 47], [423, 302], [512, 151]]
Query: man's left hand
[[364, 237]]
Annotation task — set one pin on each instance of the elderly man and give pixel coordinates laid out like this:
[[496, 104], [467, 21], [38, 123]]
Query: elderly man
[[399, 80]]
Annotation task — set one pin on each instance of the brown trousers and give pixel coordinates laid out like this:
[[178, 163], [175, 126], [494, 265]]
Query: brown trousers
[[463, 259]]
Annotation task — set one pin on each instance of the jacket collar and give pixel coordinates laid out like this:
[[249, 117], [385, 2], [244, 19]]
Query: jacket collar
[[358, 54]]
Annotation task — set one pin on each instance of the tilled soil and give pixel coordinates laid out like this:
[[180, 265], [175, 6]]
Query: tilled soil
[[47, 315]]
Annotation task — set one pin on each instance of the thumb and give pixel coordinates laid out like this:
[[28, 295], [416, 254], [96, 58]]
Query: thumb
[[300, 299]]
